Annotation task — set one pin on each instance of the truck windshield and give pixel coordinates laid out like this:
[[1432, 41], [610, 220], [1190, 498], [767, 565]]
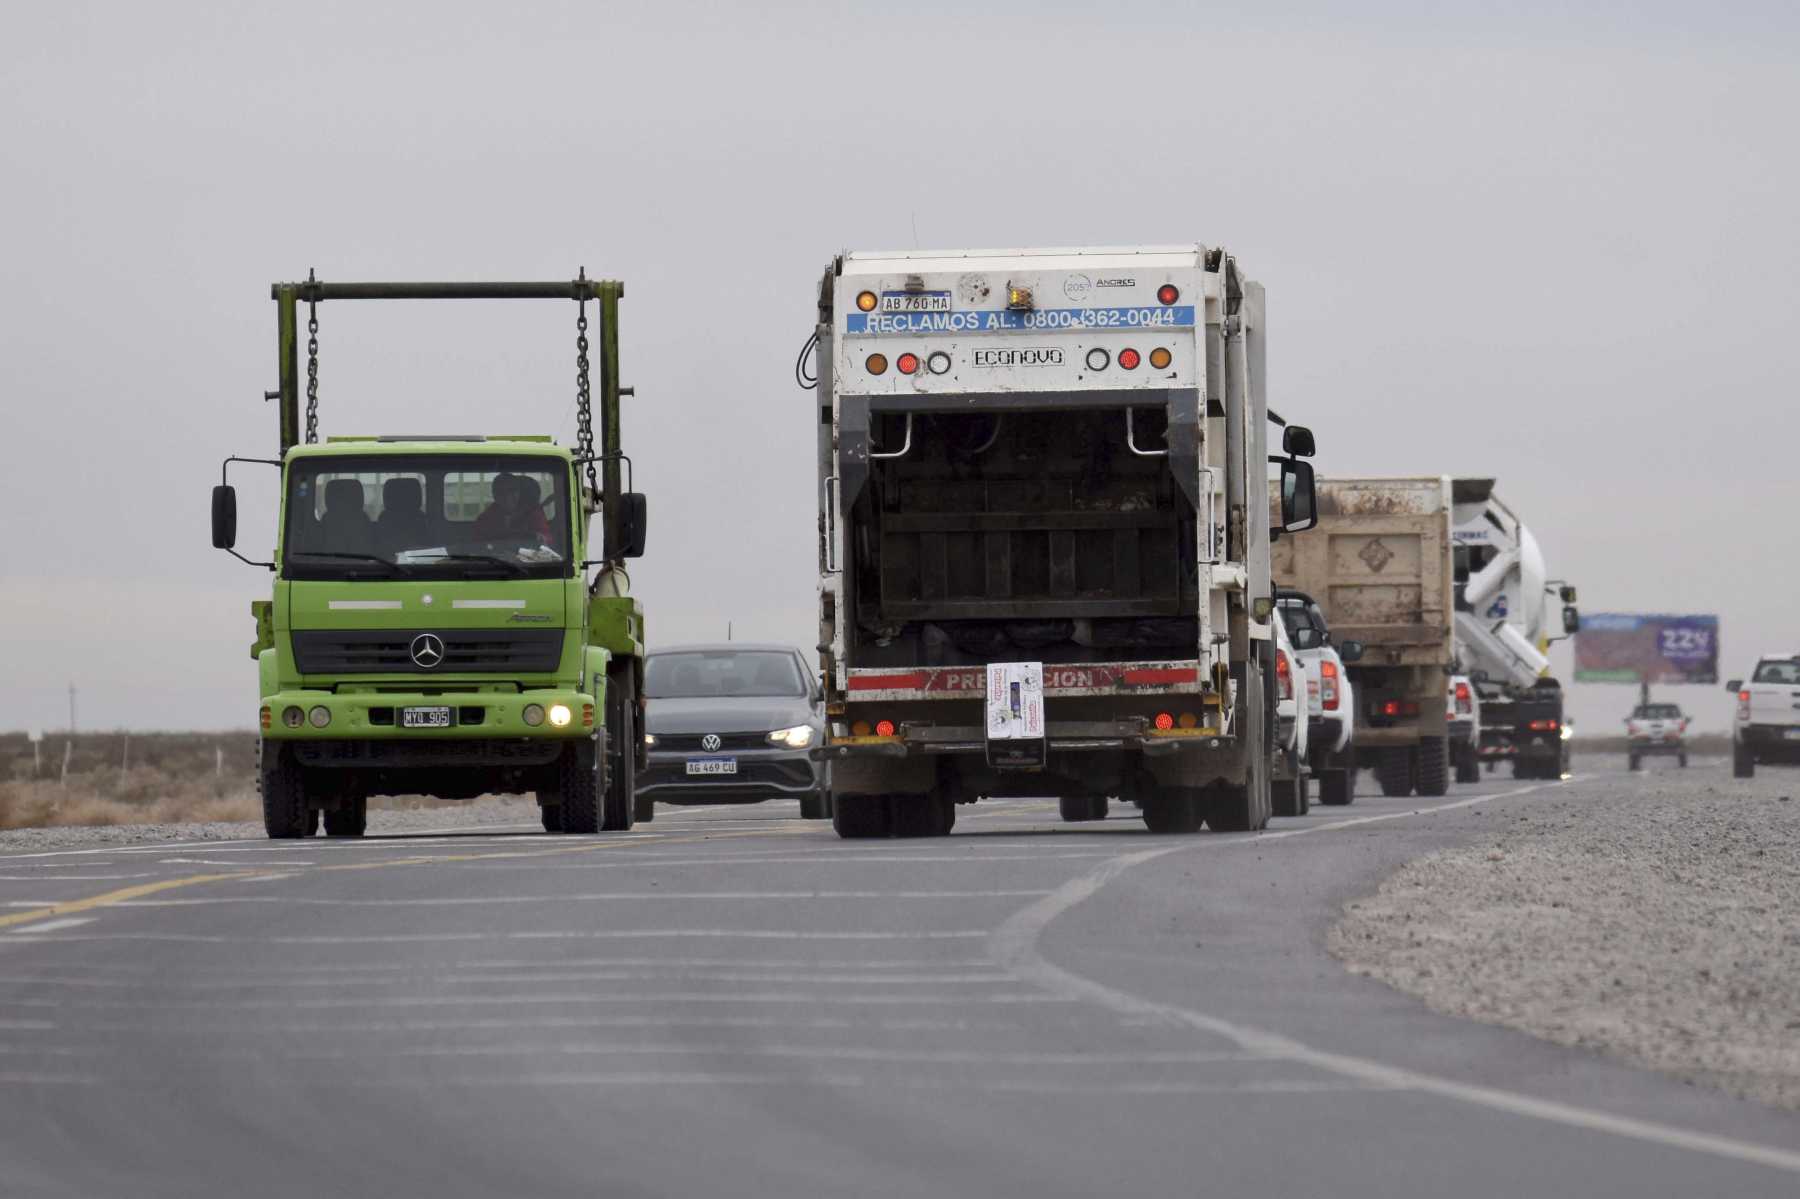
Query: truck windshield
[[718, 673], [427, 516]]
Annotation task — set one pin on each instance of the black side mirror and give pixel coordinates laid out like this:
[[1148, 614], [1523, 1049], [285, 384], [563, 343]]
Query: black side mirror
[[1568, 593], [1297, 440], [1478, 676], [1305, 637], [1350, 651], [1735, 685], [1571, 620], [1299, 501], [633, 526], [224, 516]]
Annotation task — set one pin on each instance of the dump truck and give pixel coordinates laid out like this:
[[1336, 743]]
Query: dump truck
[[433, 628], [1381, 564], [1043, 547]]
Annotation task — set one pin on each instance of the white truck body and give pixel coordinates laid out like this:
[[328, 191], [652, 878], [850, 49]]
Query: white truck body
[[1766, 726]]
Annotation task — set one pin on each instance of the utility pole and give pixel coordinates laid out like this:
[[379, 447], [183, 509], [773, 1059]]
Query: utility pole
[[71, 709]]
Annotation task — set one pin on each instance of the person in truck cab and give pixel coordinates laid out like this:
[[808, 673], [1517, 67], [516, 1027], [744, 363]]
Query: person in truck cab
[[345, 526], [402, 523]]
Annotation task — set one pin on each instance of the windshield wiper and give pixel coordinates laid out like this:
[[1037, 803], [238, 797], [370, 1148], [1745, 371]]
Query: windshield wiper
[[350, 555], [512, 567]]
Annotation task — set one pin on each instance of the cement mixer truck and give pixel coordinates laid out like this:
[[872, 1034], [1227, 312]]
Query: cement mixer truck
[[1508, 612]]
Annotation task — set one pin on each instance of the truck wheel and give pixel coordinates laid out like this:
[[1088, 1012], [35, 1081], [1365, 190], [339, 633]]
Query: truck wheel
[[1337, 787], [551, 813], [1246, 807], [1077, 808], [856, 817], [285, 811], [581, 786], [619, 802], [351, 820], [931, 815], [815, 805], [643, 808], [1174, 809], [1743, 764], [1393, 770], [1434, 766]]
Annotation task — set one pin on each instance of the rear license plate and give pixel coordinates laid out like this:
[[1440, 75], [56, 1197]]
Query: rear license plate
[[915, 301], [1792, 734], [712, 766], [424, 718]]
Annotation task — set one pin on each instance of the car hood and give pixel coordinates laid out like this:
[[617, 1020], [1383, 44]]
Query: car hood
[[740, 714]]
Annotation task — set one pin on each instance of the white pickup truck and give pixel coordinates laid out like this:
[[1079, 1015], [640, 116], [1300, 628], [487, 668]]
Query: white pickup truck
[[1654, 729], [1331, 719], [1767, 726]]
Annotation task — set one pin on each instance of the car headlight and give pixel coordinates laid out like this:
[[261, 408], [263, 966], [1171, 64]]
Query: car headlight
[[798, 737], [650, 740], [1567, 732]]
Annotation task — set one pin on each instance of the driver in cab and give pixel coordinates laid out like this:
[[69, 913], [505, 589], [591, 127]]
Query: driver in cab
[[517, 511]]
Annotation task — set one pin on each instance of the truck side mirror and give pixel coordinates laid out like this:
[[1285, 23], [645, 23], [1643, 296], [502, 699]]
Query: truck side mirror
[[1299, 501], [1297, 440], [1735, 685], [224, 516], [633, 526], [1571, 620], [1350, 651], [1568, 593]]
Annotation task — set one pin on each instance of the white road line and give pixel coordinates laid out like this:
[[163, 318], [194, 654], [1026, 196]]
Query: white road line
[[71, 878], [642, 860], [714, 1079], [52, 926], [538, 999], [627, 934], [845, 1053], [132, 975], [1014, 945], [27, 1025], [340, 982], [591, 897], [406, 1025]]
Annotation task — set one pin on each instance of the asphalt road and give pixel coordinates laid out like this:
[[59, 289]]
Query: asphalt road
[[732, 1001]]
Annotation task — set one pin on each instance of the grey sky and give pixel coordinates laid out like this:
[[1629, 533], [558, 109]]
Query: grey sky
[[1557, 249]]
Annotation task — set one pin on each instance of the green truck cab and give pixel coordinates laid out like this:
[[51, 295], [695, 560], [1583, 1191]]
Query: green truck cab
[[433, 629]]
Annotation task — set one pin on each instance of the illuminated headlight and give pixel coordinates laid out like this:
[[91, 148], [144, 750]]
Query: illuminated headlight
[[319, 717], [533, 715], [798, 737], [649, 740], [1567, 732], [560, 715]]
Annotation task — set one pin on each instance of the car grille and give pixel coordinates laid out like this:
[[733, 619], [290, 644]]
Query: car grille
[[466, 651], [689, 743]]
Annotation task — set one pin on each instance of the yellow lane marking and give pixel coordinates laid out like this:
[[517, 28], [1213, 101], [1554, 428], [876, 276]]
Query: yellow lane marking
[[119, 896]]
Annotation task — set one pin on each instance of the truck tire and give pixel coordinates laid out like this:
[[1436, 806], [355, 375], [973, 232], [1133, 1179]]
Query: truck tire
[[1468, 770], [1337, 787], [618, 805], [1246, 807], [1743, 763], [286, 814], [551, 814], [1394, 770], [815, 805], [856, 817], [643, 808], [1077, 808], [351, 820], [1434, 766], [1175, 809], [581, 786], [931, 815]]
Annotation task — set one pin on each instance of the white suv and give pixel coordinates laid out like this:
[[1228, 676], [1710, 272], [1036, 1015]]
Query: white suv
[[1767, 726], [1464, 723], [1292, 706]]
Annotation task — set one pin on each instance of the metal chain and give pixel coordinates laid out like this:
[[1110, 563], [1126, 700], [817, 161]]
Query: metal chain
[[584, 413], [312, 372]]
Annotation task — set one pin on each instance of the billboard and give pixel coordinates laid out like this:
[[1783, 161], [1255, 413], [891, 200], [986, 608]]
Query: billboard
[[1623, 647]]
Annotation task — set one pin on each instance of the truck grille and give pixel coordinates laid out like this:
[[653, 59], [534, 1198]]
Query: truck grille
[[427, 752], [389, 651]]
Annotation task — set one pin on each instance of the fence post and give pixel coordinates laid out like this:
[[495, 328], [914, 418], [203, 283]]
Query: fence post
[[68, 752]]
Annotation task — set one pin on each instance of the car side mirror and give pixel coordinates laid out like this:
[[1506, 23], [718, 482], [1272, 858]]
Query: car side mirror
[[633, 526], [1351, 651], [1735, 685], [1297, 440], [224, 516], [1568, 593], [1571, 620], [1299, 500], [1305, 638]]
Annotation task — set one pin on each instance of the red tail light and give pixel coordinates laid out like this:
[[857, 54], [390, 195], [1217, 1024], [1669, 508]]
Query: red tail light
[[1744, 705], [1284, 674], [907, 364], [1543, 726], [1129, 359], [1397, 707], [1164, 721], [884, 728], [1168, 293], [1328, 685], [1464, 701]]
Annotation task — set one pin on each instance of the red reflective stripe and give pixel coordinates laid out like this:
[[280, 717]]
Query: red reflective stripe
[[1165, 674], [887, 682]]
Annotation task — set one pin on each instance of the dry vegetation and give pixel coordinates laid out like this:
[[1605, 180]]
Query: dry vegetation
[[127, 778]]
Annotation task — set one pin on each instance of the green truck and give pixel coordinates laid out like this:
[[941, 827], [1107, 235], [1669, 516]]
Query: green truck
[[433, 628]]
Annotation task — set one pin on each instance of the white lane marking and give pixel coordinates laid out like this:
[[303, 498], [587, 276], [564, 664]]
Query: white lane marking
[[884, 1081], [132, 974], [27, 1025], [52, 926], [261, 844], [627, 934], [363, 605], [285, 1003], [591, 897], [1014, 945], [988, 976], [49, 1080], [806, 1024], [845, 1053], [818, 858], [71, 878]]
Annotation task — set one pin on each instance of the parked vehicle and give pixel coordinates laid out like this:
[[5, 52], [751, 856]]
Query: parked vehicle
[[1766, 728], [1042, 547], [1295, 690], [1464, 716], [1654, 730], [1331, 751], [733, 723]]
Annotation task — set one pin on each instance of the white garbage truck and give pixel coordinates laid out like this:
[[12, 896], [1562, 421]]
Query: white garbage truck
[[1043, 535]]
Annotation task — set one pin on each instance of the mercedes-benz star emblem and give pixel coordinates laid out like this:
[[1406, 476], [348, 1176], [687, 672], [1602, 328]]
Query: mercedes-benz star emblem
[[428, 650], [710, 742]]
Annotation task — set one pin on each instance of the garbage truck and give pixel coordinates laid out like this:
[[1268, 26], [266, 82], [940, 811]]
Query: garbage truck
[[432, 627], [1043, 534]]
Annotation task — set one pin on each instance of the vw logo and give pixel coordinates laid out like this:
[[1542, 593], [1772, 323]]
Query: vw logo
[[710, 742], [427, 650]]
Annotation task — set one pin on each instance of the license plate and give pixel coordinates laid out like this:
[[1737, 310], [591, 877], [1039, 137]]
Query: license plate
[[712, 766], [424, 718], [915, 301], [1792, 734]]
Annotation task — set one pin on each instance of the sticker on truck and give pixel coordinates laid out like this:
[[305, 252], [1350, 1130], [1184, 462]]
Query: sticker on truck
[[999, 321]]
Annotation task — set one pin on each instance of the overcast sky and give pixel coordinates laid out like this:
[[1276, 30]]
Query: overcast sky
[[1556, 248]]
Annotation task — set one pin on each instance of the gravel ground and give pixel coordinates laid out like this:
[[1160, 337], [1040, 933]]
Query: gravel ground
[[400, 818], [1654, 917]]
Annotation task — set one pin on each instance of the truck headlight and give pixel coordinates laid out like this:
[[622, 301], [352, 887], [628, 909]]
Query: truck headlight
[[560, 715], [319, 717], [649, 740], [798, 737], [532, 714]]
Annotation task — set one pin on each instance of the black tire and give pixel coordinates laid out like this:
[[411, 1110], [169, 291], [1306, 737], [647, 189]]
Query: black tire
[[856, 817], [643, 808], [1078, 808], [1434, 767], [351, 820], [1468, 770], [1394, 770], [618, 804], [1246, 807], [922, 815], [815, 805], [1681, 760], [1743, 763], [1287, 797], [551, 815], [581, 786], [1174, 810], [286, 814], [1337, 787]]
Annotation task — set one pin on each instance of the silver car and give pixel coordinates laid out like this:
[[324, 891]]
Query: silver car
[[733, 723]]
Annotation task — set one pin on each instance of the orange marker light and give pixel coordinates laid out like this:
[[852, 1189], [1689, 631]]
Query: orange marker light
[[1160, 358], [860, 729], [877, 364], [866, 301], [1188, 720]]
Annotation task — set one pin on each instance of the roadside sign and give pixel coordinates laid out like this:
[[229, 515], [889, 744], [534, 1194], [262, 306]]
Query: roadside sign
[[1639, 648]]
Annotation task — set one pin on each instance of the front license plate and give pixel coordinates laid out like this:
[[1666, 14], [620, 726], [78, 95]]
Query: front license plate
[[712, 766], [424, 718], [1792, 734]]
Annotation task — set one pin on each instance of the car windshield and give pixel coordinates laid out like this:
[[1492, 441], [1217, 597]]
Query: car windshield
[[1779, 671], [1658, 712], [428, 516], [704, 674]]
